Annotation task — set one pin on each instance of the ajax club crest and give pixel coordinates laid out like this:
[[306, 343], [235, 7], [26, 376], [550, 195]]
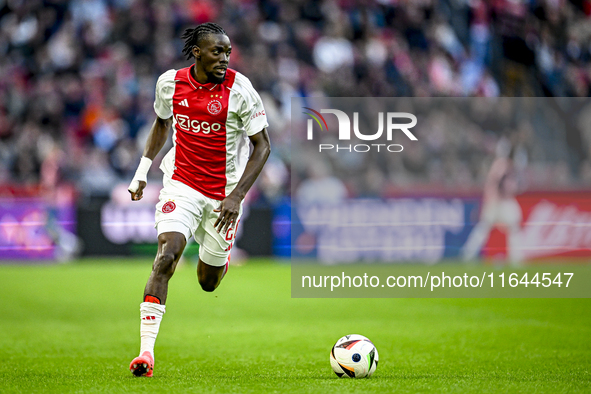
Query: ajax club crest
[[214, 107], [168, 207]]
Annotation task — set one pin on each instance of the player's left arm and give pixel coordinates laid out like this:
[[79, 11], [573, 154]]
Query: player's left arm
[[230, 206]]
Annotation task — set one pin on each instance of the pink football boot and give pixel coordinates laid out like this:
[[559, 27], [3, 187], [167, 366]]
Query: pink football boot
[[142, 365]]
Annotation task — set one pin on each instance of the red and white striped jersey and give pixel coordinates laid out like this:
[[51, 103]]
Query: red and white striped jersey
[[211, 125]]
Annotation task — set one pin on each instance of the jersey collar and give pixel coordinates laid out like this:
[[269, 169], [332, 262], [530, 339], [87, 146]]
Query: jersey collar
[[196, 85]]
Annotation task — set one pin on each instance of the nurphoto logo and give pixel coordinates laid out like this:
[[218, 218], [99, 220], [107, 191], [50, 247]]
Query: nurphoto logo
[[344, 122]]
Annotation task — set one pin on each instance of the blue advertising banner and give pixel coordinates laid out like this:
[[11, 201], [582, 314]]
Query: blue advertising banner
[[399, 229]]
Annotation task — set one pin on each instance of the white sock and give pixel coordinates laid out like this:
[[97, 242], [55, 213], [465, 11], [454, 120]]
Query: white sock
[[151, 315]]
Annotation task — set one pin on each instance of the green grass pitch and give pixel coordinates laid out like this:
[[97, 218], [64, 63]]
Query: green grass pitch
[[75, 328]]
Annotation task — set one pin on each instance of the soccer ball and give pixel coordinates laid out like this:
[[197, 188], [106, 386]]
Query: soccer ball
[[354, 356]]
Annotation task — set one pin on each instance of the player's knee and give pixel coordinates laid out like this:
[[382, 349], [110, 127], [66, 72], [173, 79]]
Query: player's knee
[[165, 264], [209, 287], [208, 283]]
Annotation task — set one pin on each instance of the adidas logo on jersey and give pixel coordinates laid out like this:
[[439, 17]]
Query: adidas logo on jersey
[[184, 103]]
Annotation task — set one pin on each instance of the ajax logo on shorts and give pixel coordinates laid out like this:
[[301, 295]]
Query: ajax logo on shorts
[[168, 207]]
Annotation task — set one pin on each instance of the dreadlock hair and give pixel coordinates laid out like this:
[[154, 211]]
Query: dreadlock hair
[[192, 37]]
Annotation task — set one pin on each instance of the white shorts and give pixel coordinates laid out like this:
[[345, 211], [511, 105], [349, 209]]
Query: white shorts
[[184, 210], [506, 211]]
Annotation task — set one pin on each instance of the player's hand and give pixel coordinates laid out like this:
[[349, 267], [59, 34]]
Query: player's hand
[[136, 188], [229, 209]]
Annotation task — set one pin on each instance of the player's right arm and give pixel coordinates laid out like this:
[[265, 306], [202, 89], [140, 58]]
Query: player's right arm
[[158, 133], [156, 140]]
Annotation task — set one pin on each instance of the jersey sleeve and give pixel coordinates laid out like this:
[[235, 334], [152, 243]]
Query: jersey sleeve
[[164, 93], [252, 111]]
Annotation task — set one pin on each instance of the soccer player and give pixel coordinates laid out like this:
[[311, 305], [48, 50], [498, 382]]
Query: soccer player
[[213, 111], [499, 206]]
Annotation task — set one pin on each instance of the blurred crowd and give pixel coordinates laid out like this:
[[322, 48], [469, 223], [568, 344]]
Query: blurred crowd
[[77, 77]]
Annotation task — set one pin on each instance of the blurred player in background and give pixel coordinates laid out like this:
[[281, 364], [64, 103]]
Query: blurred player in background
[[213, 111], [499, 206], [67, 244]]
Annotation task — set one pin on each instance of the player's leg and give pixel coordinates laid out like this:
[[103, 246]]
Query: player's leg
[[210, 276], [177, 216], [479, 233], [214, 259], [214, 249], [511, 218], [170, 248]]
